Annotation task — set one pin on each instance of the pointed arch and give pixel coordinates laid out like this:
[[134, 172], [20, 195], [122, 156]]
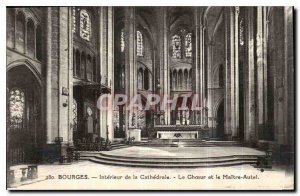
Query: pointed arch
[[186, 79], [29, 66], [140, 78], [175, 78], [146, 79], [180, 78]]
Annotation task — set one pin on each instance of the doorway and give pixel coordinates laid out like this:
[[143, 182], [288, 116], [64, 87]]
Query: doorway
[[220, 121]]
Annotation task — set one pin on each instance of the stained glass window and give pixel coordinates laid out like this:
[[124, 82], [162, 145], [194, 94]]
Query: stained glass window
[[85, 25], [16, 106], [176, 43], [139, 43], [122, 41], [188, 45]]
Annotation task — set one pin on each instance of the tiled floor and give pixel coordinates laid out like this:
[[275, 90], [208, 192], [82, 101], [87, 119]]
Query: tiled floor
[[187, 152]]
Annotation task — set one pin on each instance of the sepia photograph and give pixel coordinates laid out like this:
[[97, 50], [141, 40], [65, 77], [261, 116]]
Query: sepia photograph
[[150, 98]]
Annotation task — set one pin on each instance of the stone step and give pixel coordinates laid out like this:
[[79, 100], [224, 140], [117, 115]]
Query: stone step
[[168, 162], [169, 165], [119, 147], [185, 145], [115, 146], [119, 144]]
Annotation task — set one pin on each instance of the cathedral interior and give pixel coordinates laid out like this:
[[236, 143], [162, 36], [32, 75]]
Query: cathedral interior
[[60, 60]]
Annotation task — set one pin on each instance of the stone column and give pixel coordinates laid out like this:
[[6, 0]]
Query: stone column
[[49, 77], [265, 63], [227, 74], [283, 59], [110, 67], [259, 53], [35, 42], [236, 71], [165, 62], [53, 84], [261, 71], [250, 127], [70, 65], [65, 62], [203, 101], [196, 77], [233, 57], [25, 37], [103, 64], [15, 28], [211, 121], [106, 61], [289, 106], [103, 16], [130, 65], [58, 83], [176, 81]]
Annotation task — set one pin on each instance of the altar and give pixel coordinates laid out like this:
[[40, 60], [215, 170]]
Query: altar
[[180, 131], [177, 134]]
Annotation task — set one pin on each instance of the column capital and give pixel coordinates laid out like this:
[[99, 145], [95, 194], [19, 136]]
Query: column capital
[[237, 10]]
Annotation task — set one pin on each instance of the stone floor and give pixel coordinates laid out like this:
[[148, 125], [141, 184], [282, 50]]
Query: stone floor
[[56, 176], [182, 179], [185, 152]]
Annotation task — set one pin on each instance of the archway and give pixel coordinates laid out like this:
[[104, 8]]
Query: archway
[[24, 127], [219, 133], [146, 79]]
